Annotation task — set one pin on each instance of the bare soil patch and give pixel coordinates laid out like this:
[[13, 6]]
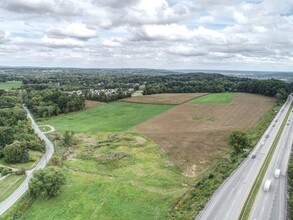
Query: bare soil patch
[[166, 98], [92, 104], [193, 135]]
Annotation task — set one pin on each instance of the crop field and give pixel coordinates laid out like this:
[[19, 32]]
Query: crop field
[[194, 134], [215, 98], [92, 104], [116, 116], [113, 176], [10, 85], [167, 98]]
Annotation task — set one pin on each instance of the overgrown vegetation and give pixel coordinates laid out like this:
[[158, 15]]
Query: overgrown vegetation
[[195, 199], [290, 188]]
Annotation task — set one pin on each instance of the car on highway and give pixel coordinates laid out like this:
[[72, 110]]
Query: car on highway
[[253, 156], [277, 173], [267, 185], [267, 136]]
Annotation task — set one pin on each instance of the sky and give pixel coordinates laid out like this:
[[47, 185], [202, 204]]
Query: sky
[[162, 34]]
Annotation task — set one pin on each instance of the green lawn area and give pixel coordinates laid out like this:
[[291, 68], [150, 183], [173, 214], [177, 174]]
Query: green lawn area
[[116, 116], [214, 98], [10, 85], [9, 184], [100, 185]]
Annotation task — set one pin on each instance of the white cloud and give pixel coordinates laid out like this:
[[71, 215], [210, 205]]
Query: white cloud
[[228, 34], [61, 43], [75, 30]]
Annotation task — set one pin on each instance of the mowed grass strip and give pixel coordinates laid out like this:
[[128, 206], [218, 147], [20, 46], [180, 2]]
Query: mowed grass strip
[[116, 116], [10, 85], [9, 184], [215, 98]]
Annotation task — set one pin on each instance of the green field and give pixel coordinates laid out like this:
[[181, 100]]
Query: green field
[[116, 116], [10, 85], [214, 98], [141, 185], [9, 184]]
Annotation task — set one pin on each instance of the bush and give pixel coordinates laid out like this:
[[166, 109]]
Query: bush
[[5, 171], [19, 172], [15, 153], [47, 182]]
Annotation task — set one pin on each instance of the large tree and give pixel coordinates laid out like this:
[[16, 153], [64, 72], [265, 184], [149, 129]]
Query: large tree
[[47, 182], [238, 140]]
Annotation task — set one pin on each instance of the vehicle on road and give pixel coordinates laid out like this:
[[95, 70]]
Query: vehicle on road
[[277, 173], [267, 185], [253, 156], [267, 136], [262, 143]]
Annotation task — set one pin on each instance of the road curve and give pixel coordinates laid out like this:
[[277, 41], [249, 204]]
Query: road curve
[[15, 196]]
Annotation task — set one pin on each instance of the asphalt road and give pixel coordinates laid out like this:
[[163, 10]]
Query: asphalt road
[[15, 196], [228, 201], [273, 204]]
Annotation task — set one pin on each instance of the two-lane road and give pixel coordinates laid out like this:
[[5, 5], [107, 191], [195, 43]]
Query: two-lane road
[[15, 196], [228, 201]]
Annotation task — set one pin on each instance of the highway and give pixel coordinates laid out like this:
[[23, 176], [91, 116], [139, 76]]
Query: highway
[[273, 204], [18, 193], [228, 201]]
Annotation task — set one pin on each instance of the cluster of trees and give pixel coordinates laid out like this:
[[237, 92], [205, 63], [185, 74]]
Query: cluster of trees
[[103, 97], [238, 140], [47, 103], [16, 135], [47, 182], [212, 83]]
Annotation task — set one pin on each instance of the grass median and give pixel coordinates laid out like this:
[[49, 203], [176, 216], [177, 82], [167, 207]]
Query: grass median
[[256, 186]]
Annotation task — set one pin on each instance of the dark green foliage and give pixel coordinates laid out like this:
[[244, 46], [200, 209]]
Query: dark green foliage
[[15, 153], [6, 136], [238, 140], [19, 172], [68, 139], [47, 182], [5, 171], [48, 103]]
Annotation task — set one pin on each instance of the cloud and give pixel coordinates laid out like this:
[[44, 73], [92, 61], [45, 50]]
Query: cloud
[[61, 43], [55, 8], [76, 30], [140, 12], [3, 36]]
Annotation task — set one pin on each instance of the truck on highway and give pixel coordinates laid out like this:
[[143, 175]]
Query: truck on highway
[[267, 185], [277, 173]]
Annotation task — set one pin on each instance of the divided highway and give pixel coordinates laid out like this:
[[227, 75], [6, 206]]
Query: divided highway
[[228, 201], [272, 204], [15, 196]]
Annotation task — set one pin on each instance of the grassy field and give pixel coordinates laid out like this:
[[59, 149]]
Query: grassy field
[[10, 85], [9, 184], [215, 98], [141, 183], [116, 116]]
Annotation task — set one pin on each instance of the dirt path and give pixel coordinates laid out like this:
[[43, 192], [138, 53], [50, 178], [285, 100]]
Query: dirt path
[[52, 129]]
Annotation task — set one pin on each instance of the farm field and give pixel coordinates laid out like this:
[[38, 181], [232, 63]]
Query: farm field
[[194, 134], [10, 85], [215, 98], [166, 98], [92, 104], [116, 116], [113, 176], [9, 184]]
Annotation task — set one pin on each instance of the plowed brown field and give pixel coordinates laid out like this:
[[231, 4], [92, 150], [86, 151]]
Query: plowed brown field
[[193, 135], [166, 98]]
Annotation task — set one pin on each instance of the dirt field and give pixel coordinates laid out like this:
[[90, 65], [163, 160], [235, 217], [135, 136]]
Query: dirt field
[[169, 99], [91, 104], [195, 134]]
